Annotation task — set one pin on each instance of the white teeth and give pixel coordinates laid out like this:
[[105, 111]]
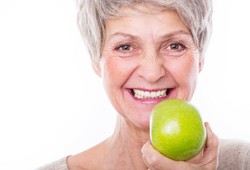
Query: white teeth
[[140, 94]]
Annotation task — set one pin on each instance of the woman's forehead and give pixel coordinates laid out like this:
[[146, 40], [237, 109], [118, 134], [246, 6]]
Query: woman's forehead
[[134, 22]]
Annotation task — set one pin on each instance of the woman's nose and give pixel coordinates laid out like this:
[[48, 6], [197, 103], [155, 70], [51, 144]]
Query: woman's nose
[[151, 69]]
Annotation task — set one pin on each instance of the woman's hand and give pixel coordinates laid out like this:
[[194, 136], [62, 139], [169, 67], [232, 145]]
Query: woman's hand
[[207, 159]]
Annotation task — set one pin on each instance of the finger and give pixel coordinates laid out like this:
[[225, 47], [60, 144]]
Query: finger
[[212, 143], [198, 158], [212, 146], [156, 161]]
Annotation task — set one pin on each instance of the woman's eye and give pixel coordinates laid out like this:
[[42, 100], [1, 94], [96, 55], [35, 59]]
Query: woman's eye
[[124, 48], [175, 49], [176, 46]]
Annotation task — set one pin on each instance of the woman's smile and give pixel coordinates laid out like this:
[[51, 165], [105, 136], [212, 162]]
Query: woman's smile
[[152, 96]]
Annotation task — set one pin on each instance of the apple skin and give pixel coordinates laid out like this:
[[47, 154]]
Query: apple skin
[[177, 130]]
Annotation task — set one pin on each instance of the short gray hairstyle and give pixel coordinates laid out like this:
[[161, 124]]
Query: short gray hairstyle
[[196, 15]]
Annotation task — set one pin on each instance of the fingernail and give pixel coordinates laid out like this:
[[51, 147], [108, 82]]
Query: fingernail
[[208, 127]]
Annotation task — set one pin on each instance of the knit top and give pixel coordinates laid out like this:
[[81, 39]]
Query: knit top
[[233, 155]]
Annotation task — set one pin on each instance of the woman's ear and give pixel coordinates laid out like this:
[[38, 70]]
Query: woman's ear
[[201, 63], [97, 68]]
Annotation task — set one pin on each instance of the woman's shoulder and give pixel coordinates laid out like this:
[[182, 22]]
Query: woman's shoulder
[[234, 154], [60, 164], [87, 159]]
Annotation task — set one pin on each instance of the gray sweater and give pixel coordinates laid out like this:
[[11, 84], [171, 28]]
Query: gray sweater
[[233, 155]]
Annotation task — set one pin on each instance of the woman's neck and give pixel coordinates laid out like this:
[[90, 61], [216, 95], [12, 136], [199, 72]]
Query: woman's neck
[[125, 145], [127, 133], [120, 151]]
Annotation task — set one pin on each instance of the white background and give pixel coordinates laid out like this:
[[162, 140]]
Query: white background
[[52, 104]]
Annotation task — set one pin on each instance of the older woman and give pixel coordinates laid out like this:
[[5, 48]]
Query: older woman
[[146, 52]]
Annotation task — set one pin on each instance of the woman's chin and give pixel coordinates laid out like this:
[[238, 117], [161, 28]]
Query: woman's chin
[[142, 124]]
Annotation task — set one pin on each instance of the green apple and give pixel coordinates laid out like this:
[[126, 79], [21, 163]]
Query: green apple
[[177, 130]]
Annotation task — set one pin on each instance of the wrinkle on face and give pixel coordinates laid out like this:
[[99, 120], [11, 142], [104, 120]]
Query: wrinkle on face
[[147, 65]]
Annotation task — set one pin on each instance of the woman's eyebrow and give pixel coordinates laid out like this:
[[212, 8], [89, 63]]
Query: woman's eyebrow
[[175, 33], [124, 35]]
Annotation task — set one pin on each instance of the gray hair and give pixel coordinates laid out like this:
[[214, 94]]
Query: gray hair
[[196, 15]]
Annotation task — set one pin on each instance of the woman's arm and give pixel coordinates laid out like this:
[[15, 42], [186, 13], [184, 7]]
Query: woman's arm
[[234, 154]]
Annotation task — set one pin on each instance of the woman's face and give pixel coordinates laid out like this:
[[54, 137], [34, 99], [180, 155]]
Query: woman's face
[[148, 56]]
